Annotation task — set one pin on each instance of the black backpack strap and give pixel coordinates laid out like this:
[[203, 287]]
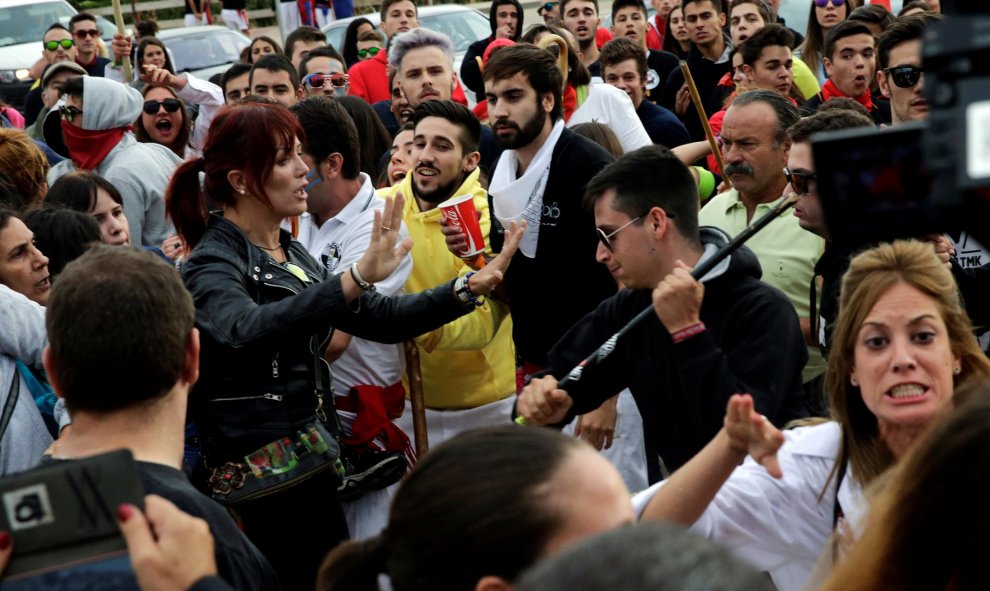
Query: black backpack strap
[[13, 393]]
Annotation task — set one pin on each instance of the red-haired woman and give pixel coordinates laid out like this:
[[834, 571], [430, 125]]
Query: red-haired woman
[[265, 311]]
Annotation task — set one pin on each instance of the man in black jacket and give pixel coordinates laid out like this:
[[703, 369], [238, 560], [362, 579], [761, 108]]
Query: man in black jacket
[[506, 19], [728, 333]]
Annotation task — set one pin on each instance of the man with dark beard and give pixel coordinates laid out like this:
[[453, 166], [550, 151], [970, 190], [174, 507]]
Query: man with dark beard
[[468, 366]]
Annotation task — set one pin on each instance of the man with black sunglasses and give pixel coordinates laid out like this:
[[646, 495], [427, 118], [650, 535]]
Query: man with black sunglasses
[[87, 35], [900, 75], [708, 340], [548, 11]]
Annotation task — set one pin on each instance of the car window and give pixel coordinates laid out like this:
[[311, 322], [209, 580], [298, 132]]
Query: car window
[[204, 50], [28, 23], [463, 27]]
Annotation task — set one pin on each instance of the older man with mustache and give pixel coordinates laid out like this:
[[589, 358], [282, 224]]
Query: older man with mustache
[[755, 147]]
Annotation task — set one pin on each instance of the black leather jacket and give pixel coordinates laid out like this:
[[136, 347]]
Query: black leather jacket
[[260, 325]]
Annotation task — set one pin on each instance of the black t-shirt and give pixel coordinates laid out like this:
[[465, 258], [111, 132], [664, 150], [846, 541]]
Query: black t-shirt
[[659, 65]]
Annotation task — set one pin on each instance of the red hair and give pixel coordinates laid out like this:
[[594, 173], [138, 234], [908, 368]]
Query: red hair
[[245, 137]]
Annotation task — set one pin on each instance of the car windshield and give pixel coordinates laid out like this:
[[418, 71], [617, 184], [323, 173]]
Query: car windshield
[[205, 50], [28, 23], [463, 27]]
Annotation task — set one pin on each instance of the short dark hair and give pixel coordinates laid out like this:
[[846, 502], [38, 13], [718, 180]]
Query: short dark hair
[[141, 354], [769, 36], [79, 17], [327, 51], [635, 177], [716, 4], [234, 71], [620, 4], [846, 28], [77, 191], [915, 4], [74, 87], [539, 66], [54, 27], [329, 129], [833, 120], [843, 103], [760, 5], [903, 29], [386, 4], [602, 135], [564, 3], [147, 27], [303, 33], [784, 110], [874, 14], [274, 62], [372, 35], [459, 115], [62, 234], [619, 50]]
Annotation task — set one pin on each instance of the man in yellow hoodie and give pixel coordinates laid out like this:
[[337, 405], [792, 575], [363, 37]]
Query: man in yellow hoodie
[[468, 365]]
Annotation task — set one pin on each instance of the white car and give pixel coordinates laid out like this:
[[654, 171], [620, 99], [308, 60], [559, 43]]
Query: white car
[[204, 51], [22, 26], [795, 12]]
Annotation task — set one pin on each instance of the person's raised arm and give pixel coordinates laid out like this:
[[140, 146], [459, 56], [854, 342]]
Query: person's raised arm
[[689, 490]]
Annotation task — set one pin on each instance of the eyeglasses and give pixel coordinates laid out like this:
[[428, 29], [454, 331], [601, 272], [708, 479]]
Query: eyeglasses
[[318, 80], [606, 239], [171, 105], [65, 43], [69, 113], [824, 3], [799, 180], [904, 76], [371, 51], [83, 33]]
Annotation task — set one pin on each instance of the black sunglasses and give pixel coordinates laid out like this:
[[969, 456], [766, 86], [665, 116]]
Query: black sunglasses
[[171, 105], [904, 76], [65, 43], [372, 51], [799, 180]]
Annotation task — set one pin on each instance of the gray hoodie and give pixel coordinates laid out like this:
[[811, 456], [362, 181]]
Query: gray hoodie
[[139, 171]]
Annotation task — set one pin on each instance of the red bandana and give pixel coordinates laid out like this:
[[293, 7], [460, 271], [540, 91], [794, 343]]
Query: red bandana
[[89, 147], [831, 91]]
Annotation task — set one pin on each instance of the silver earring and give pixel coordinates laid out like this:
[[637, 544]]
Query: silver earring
[[957, 370], [243, 192], [853, 381]]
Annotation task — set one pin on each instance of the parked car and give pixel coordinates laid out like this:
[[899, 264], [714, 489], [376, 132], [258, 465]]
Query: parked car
[[206, 50], [463, 25], [22, 26]]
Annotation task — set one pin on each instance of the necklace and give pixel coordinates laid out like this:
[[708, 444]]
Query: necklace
[[274, 249]]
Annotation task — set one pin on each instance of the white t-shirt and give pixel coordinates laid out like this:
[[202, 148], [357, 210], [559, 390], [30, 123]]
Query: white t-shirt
[[610, 106]]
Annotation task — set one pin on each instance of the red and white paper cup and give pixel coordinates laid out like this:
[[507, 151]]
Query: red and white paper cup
[[460, 213]]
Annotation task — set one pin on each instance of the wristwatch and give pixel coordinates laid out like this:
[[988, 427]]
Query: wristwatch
[[356, 276], [464, 293]]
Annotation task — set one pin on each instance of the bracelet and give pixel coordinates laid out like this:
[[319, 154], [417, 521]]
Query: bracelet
[[686, 333], [356, 276], [463, 291]]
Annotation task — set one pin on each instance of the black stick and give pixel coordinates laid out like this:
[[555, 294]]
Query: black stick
[[700, 271]]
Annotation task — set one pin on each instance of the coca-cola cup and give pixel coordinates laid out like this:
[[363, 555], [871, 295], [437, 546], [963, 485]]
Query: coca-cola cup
[[460, 213]]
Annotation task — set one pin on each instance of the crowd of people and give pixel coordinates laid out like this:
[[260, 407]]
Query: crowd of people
[[259, 286]]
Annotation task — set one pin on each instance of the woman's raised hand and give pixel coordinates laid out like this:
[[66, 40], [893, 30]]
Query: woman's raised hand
[[485, 280], [752, 433], [384, 255]]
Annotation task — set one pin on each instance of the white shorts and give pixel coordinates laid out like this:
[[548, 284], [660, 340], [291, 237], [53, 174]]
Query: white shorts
[[190, 20], [290, 17], [235, 19]]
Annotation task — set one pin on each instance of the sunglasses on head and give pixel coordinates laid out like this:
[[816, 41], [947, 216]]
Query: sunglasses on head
[[372, 51], [799, 180], [69, 113], [824, 3], [65, 43], [171, 105], [904, 76], [83, 33], [318, 80]]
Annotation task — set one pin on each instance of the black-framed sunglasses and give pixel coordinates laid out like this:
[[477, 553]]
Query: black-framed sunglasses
[[606, 239], [317, 80], [65, 43], [904, 76], [69, 113], [371, 51], [83, 33], [170, 105], [799, 180]]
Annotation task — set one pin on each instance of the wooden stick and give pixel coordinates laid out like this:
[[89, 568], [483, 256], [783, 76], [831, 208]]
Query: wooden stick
[[696, 99], [417, 403], [118, 17]]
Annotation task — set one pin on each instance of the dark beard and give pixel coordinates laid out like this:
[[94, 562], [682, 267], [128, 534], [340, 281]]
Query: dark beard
[[441, 194], [524, 136]]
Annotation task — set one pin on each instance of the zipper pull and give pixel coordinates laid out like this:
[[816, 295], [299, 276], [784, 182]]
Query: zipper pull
[[274, 368], [320, 413], [275, 397]]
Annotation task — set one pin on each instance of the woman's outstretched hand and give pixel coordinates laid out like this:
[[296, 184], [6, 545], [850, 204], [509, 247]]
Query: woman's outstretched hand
[[751, 433], [485, 280], [384, 255]]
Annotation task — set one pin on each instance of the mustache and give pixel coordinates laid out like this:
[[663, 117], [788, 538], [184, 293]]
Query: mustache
[[505, 123], [428, 167], [739, 168]]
